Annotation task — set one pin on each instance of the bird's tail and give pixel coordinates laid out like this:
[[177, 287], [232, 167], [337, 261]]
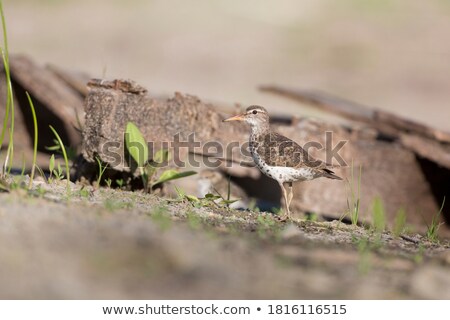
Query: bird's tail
[[327, 173]]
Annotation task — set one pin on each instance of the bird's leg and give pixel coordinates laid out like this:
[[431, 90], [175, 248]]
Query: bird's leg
[[291, 194], [285, 200]]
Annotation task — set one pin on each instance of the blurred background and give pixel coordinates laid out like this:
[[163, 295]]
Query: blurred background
[[391, 54]]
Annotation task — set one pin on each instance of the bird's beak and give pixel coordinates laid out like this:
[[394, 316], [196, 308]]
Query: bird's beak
[[239, 117]]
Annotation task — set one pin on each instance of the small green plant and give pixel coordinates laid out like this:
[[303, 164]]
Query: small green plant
[[314, 217], [51, 166], [39, 191], [399, 222], [218, 199], [138, 150], [101, 171], [224, 201], [161, 217], [278, 211], [253, 205], [84, 193], [108, 182], [194, 220], [418, 257], [379, 216], [364, 264], [58, 172], [209, 200], [114, 204], [354, 203], [41, 173], [171, 174], [434, 226], [66, 160], [266, 226], [227, 201], [55, 171], [181, 195], [136, 145], [16, 183], [119, 182], [71, 152]]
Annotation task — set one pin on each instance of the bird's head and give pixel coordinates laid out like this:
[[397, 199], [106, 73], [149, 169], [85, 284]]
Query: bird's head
[[255, 116]]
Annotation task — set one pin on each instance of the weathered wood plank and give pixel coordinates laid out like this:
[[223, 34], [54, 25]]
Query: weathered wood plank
[[49, 91], [386, 122]]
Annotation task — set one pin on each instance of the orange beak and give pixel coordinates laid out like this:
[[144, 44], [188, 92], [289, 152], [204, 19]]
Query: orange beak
[[239, 117]]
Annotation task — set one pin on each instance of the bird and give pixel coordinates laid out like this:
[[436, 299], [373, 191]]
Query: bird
[[279, 157], [215, 182]]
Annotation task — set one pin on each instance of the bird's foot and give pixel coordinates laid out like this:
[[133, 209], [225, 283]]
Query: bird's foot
[[283, 218]]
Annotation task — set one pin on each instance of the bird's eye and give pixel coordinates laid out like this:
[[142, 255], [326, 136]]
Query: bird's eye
[[255, 112]]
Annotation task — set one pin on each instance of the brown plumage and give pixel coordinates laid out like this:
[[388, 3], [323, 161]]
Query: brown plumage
[[280, 151], [279, 157]]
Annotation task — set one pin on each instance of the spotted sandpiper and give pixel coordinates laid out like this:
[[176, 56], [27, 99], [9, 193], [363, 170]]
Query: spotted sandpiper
[[277, 156]]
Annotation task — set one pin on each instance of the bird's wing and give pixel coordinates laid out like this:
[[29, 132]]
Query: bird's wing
[[278, 150]]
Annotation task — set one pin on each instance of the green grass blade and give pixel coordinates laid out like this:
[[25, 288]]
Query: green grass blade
[[379, 215], [66, 160], [172, 174], [41, 172], [10, 148], [7, 159], [35, 143], [6, 118], [433, 228], [5, 57], [101, 168], [399, 222], [22, 172], [5, 34], [9, 99]]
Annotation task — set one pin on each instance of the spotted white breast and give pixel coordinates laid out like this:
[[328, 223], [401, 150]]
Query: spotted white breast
[[282, 174]]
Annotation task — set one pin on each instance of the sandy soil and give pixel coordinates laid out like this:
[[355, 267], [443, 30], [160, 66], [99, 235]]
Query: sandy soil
[[116, 244]]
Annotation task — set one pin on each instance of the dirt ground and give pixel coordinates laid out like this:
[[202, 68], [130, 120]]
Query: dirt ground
[[113, 244]]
